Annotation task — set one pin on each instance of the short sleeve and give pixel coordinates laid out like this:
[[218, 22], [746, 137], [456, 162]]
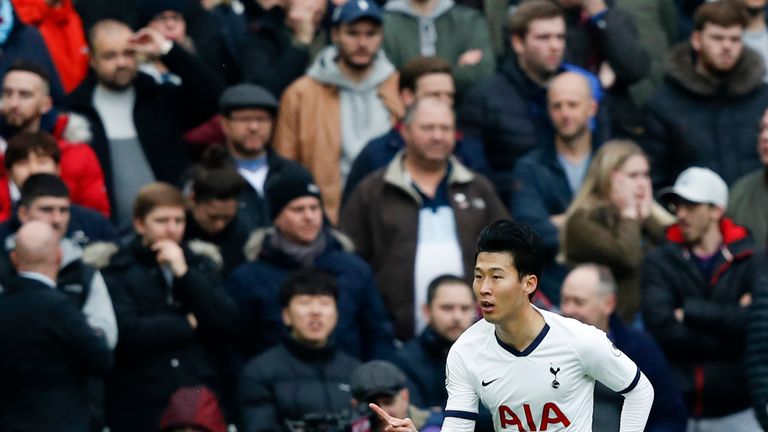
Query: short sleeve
[[462, 398], [606, 363]]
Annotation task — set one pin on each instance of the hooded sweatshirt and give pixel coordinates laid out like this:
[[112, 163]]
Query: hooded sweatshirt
[[363, 114], [427, 30]]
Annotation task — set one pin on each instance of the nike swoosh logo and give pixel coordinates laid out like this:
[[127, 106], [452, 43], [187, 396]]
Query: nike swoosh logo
[[487, 383]]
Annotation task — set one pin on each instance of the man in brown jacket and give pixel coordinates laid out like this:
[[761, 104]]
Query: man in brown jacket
[[419, 217], [348, 96]]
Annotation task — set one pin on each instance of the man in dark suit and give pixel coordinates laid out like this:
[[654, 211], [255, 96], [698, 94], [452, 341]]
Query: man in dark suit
[[48, 348]]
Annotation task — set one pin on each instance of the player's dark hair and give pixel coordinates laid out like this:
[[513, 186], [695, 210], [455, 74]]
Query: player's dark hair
[[42, 185], [216, 178], [443, 280], [517, 240], [308, 281]]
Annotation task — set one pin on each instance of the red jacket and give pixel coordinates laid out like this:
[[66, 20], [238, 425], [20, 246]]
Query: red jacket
[[62, 30], [80, 171]]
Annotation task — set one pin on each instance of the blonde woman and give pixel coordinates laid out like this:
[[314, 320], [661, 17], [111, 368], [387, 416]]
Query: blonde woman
[[613, 220]]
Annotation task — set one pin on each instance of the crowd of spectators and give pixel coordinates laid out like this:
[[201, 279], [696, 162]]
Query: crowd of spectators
[[261, 215]]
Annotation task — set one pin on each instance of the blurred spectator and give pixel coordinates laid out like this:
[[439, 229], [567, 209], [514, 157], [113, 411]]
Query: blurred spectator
[[31, 154], [212, 208], [306, 374], [440, 28], [44, 197], [589, 295], [613, 220], [698, 286], [190, 26], [19, 41], [25, 100], [382, 383], [420, 77], [756, 356], [748, 198], [348, 97], [450, 309], [604, 40], [706, 111], [230, 15], [420, 216], [170, 310], [656, 22], [301, 239], [508, 113], [193, 409], [756, 32], [247, 120], [53, 348], [93, 11], [62, 31], [137, 124], [280, 44], [547, 178]]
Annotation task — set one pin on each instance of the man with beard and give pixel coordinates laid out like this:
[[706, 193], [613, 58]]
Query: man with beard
[[706, 112], [137, 124], [247, 119], [547, 179], [348, 97]]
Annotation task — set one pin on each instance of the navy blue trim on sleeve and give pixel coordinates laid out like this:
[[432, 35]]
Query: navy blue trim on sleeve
[[633, 384], [461, 414]]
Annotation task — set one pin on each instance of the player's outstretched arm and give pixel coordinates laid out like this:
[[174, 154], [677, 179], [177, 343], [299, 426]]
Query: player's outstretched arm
[[637, 406]]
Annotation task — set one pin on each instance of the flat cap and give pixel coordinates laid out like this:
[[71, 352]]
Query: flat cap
[[247, 96]]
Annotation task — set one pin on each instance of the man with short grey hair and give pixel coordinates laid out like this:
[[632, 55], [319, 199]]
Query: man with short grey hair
[[589, 295], [697, 288]]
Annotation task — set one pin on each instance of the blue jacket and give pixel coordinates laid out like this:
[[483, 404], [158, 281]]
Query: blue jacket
[[381, 150], [364, 330], [668, 413]]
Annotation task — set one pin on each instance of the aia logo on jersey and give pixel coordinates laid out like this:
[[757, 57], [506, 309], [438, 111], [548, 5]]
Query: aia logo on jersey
[[550, 415]]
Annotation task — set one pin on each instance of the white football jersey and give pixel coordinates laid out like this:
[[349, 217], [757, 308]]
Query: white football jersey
[[547, 387]]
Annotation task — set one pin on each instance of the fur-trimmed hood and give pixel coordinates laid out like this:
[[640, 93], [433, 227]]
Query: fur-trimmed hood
[[100, 254], [747, 74], [255, 243]]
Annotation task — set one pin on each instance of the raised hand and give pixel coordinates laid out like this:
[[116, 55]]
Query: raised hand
[[393, 424], [169, 253]]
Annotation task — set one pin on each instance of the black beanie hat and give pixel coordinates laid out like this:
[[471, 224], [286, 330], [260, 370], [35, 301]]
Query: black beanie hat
[[295, 182], [149, 9]]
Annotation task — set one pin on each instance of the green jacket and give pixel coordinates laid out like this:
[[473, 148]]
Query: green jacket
[[458, 29]]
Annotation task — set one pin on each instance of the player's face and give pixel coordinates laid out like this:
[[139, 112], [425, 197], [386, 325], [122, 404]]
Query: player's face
[[312, 318], [719, 48], [452, 310], [499, 289]]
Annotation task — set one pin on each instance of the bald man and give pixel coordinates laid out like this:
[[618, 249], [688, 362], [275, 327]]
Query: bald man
[[547, 179], [138, 124], [420, 216], [48, 348], [589, 295]]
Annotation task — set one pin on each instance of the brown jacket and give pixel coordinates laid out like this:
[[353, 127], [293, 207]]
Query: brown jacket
[[309, 131], [382, 217], [601, 236]]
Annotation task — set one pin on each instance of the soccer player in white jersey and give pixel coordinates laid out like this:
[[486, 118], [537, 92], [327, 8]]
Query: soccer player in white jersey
[[533, 369]]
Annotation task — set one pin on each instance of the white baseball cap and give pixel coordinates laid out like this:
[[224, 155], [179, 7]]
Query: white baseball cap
[[698, 185]]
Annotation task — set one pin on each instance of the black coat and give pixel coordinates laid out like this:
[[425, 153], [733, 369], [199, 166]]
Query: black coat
[[162, 113], [692, 120], [48, 353], [158, 351], [756, 356], [422, 360], [705, 350], [290, 381]]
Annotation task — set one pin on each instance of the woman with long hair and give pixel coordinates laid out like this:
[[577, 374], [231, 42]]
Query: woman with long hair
[[613, 220]]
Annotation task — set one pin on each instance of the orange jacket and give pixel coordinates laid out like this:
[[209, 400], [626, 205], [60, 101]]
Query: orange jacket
[[62, 30], [309, 131]]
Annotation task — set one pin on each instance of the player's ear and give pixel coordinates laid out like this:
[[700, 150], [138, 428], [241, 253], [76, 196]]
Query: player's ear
[[530, 282]]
